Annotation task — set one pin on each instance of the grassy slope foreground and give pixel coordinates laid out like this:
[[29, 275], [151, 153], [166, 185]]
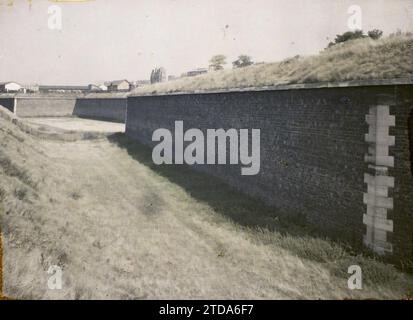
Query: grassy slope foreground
[[121, 228], [362, 59]]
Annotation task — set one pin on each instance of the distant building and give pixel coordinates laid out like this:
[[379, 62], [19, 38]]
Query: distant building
[[158, 75], [195, 72], [30, 88], [63, 89], [10, 87], [118, 85], [139, 83], [95, 88], [172, 77], [103, 87]]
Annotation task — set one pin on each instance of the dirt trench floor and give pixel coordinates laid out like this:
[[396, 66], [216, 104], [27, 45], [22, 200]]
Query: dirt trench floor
[[121, 228]]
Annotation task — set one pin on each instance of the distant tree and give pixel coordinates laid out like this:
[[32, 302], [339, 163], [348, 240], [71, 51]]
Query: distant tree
[[349, 35], [242, 61], [375, 34], [346, 36], [217, 62]]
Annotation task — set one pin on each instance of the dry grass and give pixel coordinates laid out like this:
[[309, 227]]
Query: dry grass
[[121, 227], [361, 59]]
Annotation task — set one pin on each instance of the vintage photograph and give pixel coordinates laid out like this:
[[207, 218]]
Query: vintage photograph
[[206, 150]]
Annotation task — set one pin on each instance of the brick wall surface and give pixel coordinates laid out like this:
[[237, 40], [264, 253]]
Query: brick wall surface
[[312, 150], [113, 109], [45, 106]]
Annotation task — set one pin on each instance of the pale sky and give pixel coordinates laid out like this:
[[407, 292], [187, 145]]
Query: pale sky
[[116, 39]]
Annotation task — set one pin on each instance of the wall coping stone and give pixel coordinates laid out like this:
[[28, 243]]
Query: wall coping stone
[[283, 87]]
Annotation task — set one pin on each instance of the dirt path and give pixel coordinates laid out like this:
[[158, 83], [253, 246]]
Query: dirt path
[[119, 229]]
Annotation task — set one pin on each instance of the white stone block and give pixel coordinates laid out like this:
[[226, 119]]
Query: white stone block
[[379, 180], [380, 160], [377, 201], [378, 223]]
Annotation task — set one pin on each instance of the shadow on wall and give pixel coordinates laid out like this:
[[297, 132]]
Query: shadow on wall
[[410, 126], [8, 103], [229, 203]]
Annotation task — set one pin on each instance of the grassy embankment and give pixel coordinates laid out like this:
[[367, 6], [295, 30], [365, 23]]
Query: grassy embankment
[[362, 59], [121, 227]]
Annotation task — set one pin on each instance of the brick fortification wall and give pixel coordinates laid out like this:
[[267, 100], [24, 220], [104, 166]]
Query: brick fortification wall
[[105, 108], [327, 154], [113, 109], [45, 106]]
